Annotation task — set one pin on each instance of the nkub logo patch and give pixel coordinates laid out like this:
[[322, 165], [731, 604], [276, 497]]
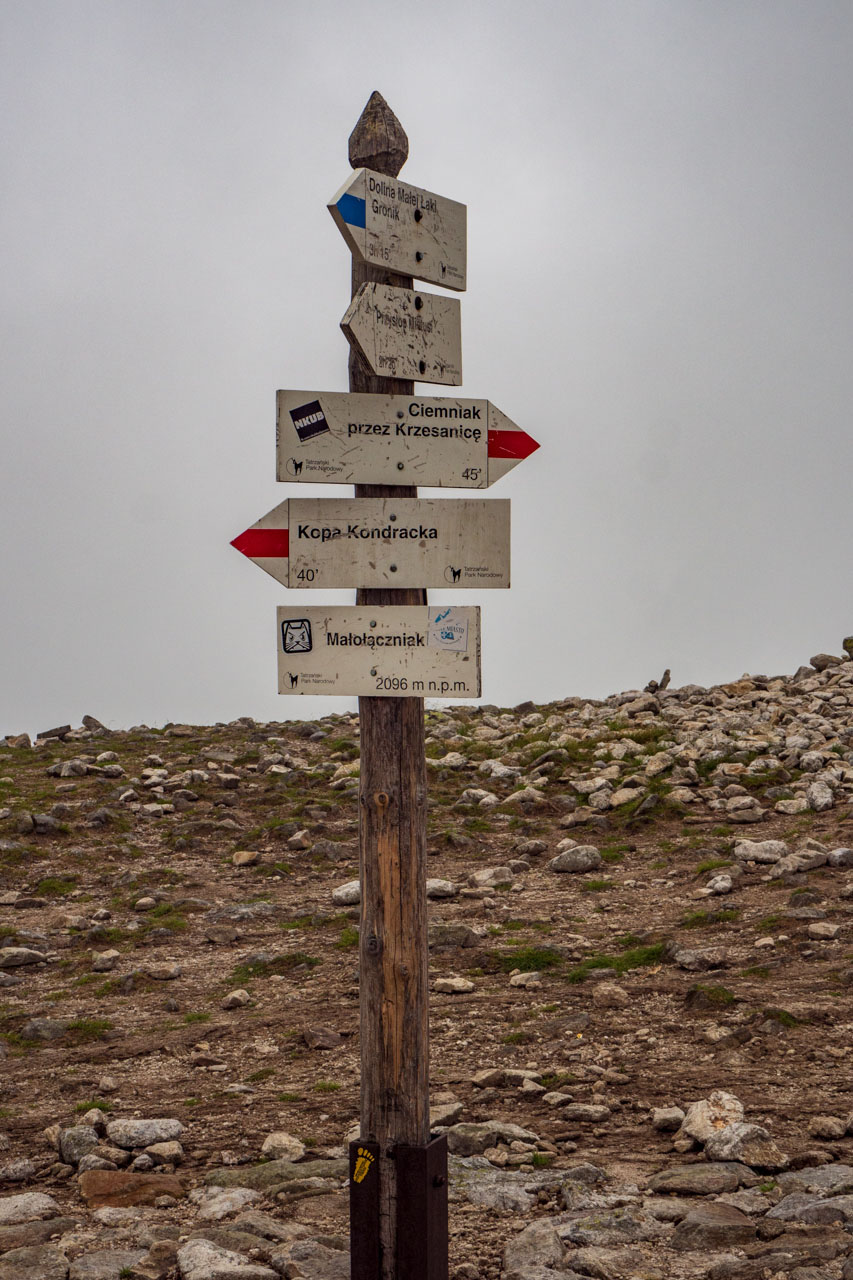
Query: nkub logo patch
[[309, 420]]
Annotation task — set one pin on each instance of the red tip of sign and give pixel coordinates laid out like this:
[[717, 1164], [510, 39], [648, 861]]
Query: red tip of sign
[[259, 544], [511, 444]]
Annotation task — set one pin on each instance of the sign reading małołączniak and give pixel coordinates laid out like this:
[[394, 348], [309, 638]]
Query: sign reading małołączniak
[[389, 223], [405, 651], [333, 437], [380, 542], [401, 333]]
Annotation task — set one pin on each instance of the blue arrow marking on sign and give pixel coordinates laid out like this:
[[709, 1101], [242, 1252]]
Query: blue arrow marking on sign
[[352, 210]]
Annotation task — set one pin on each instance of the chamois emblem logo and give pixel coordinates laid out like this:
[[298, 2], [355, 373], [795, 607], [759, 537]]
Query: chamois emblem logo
[[452, 574]]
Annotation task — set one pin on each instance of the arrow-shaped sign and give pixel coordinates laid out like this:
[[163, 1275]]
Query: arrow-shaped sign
[[382, 542], [401, 333], [331, 437], [391, 224]]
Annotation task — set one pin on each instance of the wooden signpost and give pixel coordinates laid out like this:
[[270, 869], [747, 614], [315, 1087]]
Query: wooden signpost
[[329, 437], [383, 542], [401, 333], [392, 649], [424, 651]]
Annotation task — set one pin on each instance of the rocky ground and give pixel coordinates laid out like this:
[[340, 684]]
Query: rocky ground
[[642, 990]]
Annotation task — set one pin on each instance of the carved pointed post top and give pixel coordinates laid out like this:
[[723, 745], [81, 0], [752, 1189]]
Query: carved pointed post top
[[378, 140]]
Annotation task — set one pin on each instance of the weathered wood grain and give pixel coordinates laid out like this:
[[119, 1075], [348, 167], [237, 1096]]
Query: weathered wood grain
[[393, 954]]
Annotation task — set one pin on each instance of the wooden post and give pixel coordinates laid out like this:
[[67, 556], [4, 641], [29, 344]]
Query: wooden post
[[393, 956]]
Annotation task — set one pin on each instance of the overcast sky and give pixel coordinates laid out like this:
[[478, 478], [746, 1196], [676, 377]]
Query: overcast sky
[[659, 290]]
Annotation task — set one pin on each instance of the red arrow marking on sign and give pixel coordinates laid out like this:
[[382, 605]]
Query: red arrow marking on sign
[[258, 544], [511, 444]]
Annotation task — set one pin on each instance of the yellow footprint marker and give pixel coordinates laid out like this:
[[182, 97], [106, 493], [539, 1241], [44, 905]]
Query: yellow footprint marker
[[362, 1165]]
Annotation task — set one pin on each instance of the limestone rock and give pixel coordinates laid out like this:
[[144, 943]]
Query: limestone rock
[[581, 858], [748, 1143], [471, 1139], [203, 1260], [39, 1262], [105, 1264], [765, 851], [282, 1146], [538, 1245], [102, 1188], [131, 1134], [713, 1226], [453, 986], [27, 1207]]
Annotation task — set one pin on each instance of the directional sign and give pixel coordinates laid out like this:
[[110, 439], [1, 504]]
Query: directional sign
[[405, 334], [389, 223], [330, 437], [382, 542], [397, 651]]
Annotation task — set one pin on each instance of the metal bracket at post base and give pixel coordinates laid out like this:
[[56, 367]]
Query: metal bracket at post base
[[422, 1235]]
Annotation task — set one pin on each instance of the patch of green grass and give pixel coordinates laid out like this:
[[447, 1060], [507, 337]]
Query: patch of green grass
[[712, 864], [517, 1037], [243, 973], [86, 1029], [55, 886], [196, 1017], [633, 958], [770, 1185], [782, 1016], [717, 996], [612, 855], [541, 1160], [596, 886], [628, 941], [556, 1079], [98, 1103], [290, 1097], [477, 824], [757, 971], [767, 924], [348, 937], [529, 959], [263, 1074], [707, 919], [192, 1102], [326, 1086]]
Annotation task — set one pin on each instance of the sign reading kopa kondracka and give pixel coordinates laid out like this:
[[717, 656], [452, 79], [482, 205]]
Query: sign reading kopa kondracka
[[381, 542], [389, 223], [330, 437], [396, 651]]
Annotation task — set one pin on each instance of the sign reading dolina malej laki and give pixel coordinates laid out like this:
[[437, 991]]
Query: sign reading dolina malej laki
[[392, 651], [389, 223], [331, 437]]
